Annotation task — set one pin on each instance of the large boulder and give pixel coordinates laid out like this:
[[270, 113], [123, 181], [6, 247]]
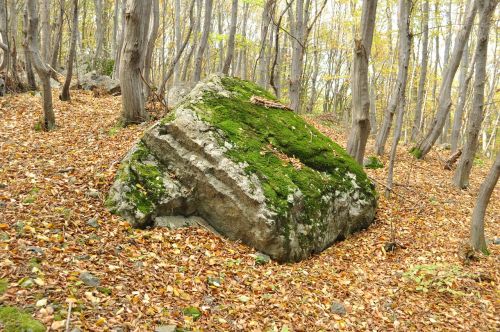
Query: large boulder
[[92, 80], [257, 174]]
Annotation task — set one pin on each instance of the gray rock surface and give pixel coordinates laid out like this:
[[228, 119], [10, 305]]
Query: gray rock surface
[[89, 279], [93, 80], [184, 166]]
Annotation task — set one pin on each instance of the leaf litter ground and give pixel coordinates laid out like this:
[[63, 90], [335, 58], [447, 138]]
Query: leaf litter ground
[[52, 189]]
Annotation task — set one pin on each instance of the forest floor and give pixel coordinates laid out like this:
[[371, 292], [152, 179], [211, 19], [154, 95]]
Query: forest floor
[[52, 184]]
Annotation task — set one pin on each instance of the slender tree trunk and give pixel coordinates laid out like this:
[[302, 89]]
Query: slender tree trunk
[[179, 51], [153, 35], [298, 49], [404, 61], [232, 38], [415, 131], [99, 33], [373, 108], [360, 129], [116, 68], [462, 173], [465, 77], [477, 238], [72, 52], [266, 21], [178, 38], [3, 33], [33, 42], [203, 41], [132, 60], [114, 40], [30, 75], [57, 44], [444, 99], [45, 32], [13, 45]]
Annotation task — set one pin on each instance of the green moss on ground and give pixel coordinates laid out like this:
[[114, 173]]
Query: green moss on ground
[[256, 131], [416, 152], [13, 319], [4, 284]]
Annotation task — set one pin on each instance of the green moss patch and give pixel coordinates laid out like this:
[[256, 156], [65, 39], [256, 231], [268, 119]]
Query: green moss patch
[[374, 163], [13, 319], [255, 131], [4, 284], [144, 174], [416, 152]]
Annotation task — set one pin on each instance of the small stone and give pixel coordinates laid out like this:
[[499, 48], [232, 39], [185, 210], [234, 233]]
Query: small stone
[[93, 223], [93, 193], [35, 250], [89, 279], [3, 186], [76, 329], [262, 259], [82, 257], [338, 308], [496, 240], [58, 325], [2, 204], [166, 328], [117, 329]]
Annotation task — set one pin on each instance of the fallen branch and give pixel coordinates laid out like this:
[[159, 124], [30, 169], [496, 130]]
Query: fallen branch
[[452, 160], [268, 103]]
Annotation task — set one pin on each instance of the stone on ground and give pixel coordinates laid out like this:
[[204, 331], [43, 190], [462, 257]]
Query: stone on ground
[[257, 174]]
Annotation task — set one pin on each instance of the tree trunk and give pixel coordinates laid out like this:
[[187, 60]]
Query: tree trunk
[[13, 45], [465, 77], [3, 33], [462, 173], [99, 32], [360, 129], [415, 131], [41, 68], [57, 44], [45, 30], [114, 40], [175, 61], [204, 40], [153, 35], [444, 99], [178, 38], [404, 61], [132, 60], [72, 52], [30, 75], [477, 238], [266, 21], [116, 68], [298, 49], [232, 38]]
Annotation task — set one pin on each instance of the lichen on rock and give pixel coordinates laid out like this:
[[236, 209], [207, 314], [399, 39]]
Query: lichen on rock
[[260, 175]]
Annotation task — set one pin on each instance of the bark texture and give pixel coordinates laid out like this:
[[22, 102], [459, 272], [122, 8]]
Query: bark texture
[[131, 61], [462, 173], [360, 129], [477, 238]]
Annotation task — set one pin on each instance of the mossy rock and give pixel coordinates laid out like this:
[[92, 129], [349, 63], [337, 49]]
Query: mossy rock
[[257, 174], [13, 319]]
